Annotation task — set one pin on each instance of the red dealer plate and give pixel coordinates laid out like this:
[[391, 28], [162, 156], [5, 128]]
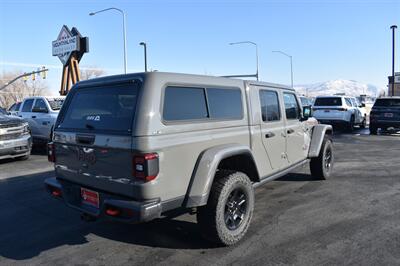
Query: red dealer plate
[[90, 197]]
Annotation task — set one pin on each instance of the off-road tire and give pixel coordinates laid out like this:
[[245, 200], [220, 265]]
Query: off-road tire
[[212, 217], [318, 166]]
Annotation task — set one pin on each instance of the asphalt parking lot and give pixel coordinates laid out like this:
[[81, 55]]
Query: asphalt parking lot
[[352, 218]]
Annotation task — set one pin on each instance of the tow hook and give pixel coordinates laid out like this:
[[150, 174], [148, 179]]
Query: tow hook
[[87, 217]]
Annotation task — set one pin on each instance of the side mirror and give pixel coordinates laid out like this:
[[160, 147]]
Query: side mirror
[[40, 110], [307, 113]]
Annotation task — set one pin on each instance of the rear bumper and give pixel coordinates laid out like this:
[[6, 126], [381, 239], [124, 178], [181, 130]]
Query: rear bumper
[[384, 124], [333, 121], [128, 210], [16, 147]]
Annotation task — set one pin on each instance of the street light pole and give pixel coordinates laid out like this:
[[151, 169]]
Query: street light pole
[[123, 28], [145, 55], [291, 64], [253, 43], [393, 27]]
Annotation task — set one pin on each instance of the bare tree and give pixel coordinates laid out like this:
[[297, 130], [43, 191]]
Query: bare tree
[[91, 72], [20, 89]]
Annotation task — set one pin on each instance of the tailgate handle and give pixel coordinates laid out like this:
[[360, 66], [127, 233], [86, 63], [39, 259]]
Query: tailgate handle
[[85, 139]]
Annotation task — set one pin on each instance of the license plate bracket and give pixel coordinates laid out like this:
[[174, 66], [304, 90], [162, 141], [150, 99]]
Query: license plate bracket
[[388, 114], [90, 197]]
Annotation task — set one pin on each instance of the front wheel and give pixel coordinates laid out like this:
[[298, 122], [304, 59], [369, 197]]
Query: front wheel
[[227, 215], [321, 166]]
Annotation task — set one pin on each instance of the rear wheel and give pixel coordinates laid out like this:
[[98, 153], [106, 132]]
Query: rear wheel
[[227, 215], [350, 125], [321, 166]]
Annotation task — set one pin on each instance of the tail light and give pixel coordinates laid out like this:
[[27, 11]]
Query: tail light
[[51, 155], [145, 166]]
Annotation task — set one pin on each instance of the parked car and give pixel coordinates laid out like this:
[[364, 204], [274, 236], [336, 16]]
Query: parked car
[[136, 147], [13, 110], [15, 138], [385, 114], [41, 114], [339, 110]]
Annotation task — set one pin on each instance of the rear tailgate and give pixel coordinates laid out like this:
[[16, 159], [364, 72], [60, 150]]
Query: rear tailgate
[[328, 108], [93, 139]]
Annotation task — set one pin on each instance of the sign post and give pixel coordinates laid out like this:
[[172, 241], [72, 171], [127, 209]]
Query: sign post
[[69, 48]]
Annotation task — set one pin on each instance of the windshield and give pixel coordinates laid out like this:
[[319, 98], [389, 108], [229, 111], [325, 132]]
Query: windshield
[[101, 108], [328, 101], [55, 103], [387, 103]]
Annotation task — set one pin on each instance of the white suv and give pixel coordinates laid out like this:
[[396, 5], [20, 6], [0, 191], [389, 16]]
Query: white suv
[[339, 110]]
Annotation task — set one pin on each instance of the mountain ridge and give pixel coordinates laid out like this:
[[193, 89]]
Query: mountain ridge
[[331, 87]]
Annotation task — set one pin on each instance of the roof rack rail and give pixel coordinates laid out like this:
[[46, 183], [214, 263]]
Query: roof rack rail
[[241, 76]]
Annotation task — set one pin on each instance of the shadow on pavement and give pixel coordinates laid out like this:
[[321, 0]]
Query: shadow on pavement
[[32, 222]]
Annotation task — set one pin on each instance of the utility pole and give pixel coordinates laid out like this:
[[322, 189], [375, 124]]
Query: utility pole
[[393, 27]]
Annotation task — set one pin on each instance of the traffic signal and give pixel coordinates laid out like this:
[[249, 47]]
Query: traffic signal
[[44, 73], [25, 78], [33, 76]]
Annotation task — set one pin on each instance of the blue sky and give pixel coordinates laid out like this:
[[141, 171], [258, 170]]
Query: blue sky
[[327, 39]]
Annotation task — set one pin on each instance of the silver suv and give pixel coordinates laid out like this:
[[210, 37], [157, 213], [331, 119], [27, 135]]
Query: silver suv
[[135, 147]]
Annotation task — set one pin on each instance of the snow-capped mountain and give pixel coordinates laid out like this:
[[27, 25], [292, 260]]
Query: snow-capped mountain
[[348, 87]]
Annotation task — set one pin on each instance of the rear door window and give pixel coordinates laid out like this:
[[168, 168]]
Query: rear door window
[[101, 109], [27, 107], [270, 109], [348, 102], [40, 104], [328, 101]]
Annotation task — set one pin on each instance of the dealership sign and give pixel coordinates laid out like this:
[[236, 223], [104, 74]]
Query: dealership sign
[[65, 44]]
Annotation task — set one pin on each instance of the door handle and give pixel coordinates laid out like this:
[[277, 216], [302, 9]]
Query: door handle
[[290, 131], [34, 116], [269, 135]]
